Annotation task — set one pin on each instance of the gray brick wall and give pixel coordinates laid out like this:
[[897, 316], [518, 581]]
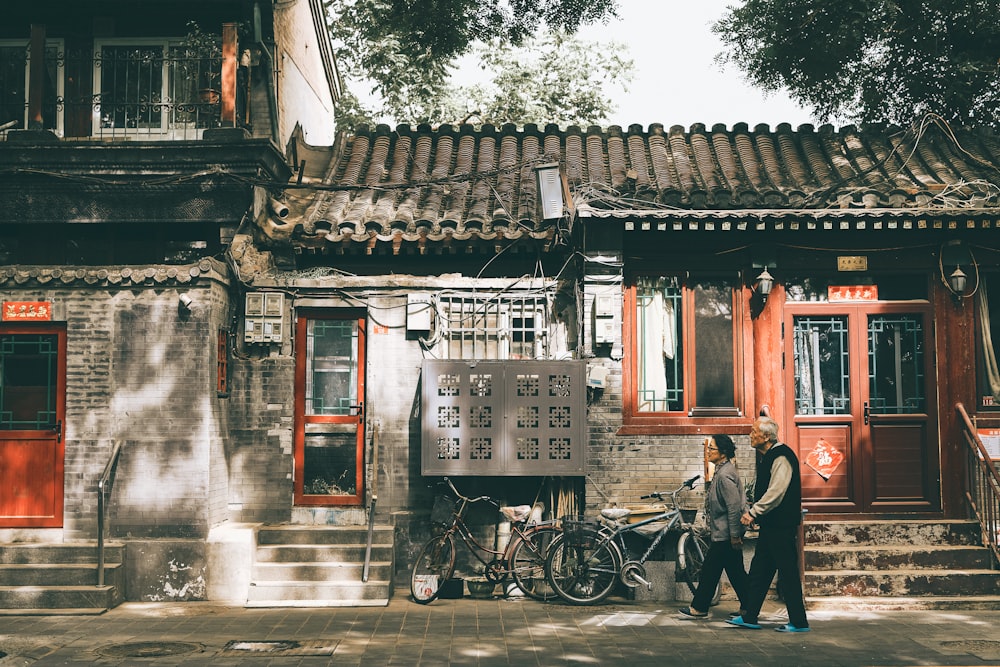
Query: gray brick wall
[[140, 371]]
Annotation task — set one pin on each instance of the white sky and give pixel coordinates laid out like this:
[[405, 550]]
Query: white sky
[[677, 81]]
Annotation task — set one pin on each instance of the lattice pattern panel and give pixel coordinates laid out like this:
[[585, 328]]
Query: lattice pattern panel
[[503, 417]]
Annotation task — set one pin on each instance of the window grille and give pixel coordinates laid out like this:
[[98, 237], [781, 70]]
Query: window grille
[[494, 326]]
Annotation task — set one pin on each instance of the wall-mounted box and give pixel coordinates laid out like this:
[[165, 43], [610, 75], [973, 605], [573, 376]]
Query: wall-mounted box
[[418, 312], [264, 317]]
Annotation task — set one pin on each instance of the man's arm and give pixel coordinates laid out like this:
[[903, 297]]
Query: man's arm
[[781, 478]]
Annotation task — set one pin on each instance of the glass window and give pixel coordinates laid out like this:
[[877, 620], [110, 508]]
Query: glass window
[[686, 352], [493, 326], [14, 59]]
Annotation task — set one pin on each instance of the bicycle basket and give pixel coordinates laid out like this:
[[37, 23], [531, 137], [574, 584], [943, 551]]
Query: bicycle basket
[[443, 510], [579, 531]]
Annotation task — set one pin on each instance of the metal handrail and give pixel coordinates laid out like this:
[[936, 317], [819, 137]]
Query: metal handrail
[[101, 484], [982, 487]]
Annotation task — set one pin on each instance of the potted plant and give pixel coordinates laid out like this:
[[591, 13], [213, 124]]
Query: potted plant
[[199, 57]]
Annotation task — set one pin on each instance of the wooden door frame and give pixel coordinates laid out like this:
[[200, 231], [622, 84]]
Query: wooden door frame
[[862, 454], [300, 498], [55, 520]]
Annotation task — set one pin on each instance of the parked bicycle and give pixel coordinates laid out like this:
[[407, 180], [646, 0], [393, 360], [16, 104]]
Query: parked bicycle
[[523, 557], [590, 555]]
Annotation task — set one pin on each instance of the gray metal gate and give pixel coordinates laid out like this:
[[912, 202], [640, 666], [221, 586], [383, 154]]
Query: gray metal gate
[[503, 417]]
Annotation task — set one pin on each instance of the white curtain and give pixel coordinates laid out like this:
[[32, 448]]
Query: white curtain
[[989, 355], [657, 342]]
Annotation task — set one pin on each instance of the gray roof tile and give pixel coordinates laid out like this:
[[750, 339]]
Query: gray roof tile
[[428, 189]]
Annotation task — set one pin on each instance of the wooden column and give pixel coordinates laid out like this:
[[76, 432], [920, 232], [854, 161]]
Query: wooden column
[[36, 77]]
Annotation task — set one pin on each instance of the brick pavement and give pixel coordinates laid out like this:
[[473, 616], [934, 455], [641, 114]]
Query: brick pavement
[[489, 633]]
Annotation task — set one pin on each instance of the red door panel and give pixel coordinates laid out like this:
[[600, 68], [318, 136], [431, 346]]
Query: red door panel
[[32, 411]]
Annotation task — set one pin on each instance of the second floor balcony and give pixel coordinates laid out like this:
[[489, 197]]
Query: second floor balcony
[[141, 89]]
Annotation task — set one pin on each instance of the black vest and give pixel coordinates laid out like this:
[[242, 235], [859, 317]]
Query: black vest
[[789, 510]]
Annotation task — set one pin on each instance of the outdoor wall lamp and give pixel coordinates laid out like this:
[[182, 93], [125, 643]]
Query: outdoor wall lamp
[[184, 303], [765, 281], [957, 281], [957, 254]]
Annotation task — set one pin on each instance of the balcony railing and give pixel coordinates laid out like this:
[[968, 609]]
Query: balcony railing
[[982, 484], [135, 89]]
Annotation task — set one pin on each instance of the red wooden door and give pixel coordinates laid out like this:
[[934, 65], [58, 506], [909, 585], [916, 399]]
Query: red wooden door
[[860, 393], [32, 412], [329, 408]]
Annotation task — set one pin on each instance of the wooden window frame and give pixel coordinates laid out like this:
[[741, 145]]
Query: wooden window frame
[[691, 419]]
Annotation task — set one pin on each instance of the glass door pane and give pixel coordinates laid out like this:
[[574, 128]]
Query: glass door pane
[[896, 382], [29, 364], [822, 365], [333, 420]]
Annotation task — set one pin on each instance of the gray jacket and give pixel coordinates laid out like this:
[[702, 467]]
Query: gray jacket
[[725, 502]]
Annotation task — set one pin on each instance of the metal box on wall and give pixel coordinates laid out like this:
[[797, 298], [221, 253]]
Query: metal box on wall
[[503, 417]]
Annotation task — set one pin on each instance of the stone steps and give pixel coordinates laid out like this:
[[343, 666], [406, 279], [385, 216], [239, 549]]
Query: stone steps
[[320, 566], [898, 560], [37, 578]]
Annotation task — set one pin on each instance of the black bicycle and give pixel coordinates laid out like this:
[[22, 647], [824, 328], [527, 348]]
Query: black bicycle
[[590, 555], [523, 558]]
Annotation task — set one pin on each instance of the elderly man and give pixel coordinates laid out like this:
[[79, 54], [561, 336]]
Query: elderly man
[[777, 509]]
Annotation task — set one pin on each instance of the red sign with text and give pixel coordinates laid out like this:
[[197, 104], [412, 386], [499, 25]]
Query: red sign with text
[[27, 311], [852, 292]]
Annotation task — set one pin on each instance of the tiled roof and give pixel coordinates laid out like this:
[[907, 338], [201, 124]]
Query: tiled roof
[[427, 188]]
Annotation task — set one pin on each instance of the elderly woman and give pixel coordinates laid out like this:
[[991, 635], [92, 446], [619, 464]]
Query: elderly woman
[[725, 501]]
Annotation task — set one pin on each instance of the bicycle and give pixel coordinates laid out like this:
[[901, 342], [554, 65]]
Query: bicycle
[[523, 557], [589, 556]]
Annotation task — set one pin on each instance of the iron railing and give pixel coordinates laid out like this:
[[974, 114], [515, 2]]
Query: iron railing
[[982, 484], [102, 486], [147, 90]]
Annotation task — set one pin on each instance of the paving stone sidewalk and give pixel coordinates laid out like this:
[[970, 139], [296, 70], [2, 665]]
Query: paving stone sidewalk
[[498, 632]]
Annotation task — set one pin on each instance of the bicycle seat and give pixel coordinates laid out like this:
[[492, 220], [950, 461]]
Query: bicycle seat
[[615, 513], [516, 513]]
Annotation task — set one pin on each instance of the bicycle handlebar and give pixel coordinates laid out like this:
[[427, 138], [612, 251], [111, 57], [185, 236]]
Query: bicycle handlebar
[[689, 484], [471, 500]]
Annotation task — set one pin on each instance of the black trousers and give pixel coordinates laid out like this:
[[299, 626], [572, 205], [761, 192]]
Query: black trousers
[[777, 551], [721, 556]]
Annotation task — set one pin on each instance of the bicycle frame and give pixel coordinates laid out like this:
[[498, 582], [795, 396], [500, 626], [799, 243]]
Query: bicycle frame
[[520, 530], [675, 523]]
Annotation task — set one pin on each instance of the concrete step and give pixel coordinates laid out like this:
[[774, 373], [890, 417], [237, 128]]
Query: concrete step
[[902, 583], [312, 594], [29, 552], [293, 534], [326, 572], [847, 603], [58, 574], [59, 597], [897, 557], [891, 532], [321, 553]]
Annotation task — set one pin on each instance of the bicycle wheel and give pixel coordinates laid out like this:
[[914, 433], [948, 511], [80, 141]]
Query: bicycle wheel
[[527, 562], [432, 568], [583, 573], [691, 550]]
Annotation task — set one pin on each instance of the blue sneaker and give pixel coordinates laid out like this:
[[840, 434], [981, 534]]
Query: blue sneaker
[[788, 627], [740, 623]]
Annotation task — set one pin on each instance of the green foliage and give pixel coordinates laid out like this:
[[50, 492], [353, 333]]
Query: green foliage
[[554, 79], [873, 60], [407, 49]]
